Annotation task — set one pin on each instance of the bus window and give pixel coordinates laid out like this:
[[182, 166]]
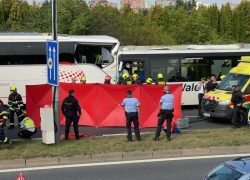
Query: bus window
[[94, 54], [6, 54], [29, 52], [132, 66], [168, 68], [66, 52], [35, 52], [193, 69]]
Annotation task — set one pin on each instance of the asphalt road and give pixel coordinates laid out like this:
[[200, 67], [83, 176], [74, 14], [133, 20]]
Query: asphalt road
[[196, 123], [193, 169]]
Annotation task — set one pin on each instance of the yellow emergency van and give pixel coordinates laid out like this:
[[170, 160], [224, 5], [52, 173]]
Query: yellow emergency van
[[217, 104]]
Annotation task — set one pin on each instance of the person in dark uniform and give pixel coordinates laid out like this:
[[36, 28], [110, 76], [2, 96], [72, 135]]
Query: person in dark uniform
[[15, 105], [238, 98], [69, 108], [107, 80], [166, 112], [126, 80], [132, 113], [3, 119], [209, 85], [149, 81], [136, 79], [160, 80]]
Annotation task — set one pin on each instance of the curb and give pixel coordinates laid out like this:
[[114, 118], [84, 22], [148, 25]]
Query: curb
[[122, 156]]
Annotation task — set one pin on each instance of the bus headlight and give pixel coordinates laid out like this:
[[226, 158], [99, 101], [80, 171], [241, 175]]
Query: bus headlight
[[224, 102]]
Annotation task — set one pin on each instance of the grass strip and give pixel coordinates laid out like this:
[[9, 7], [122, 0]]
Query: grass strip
[[117, 144]]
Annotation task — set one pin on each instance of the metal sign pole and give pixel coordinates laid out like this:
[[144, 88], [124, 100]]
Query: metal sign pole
[[56, 105]]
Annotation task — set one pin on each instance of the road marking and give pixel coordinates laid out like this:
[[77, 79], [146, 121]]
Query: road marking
[[120, 162]]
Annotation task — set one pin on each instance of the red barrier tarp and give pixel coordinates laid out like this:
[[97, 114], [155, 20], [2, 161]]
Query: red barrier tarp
[[101, 103]]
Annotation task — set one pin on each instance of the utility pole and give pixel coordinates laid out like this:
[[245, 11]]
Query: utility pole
[[56, 105]]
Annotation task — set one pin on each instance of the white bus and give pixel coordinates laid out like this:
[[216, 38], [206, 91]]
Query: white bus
[[187, 66], [23, 60]]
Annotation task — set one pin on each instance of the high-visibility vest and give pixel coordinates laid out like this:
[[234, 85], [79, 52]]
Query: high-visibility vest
[[161, 82], [129, 82], [28, 123]]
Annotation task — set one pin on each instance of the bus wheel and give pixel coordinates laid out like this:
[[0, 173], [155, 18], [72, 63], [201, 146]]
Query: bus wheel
[[243, 118]]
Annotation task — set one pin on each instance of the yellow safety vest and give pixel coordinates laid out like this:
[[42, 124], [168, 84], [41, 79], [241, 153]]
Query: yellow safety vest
[[28, 123]]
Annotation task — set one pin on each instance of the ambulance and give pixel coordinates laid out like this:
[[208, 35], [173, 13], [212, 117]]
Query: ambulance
[[217, 104]]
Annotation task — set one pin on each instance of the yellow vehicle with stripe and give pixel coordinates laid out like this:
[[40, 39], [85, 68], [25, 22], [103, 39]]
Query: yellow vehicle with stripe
[[217, 104]]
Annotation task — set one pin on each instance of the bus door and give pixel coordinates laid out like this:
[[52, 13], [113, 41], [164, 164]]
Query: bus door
[[131, 66]]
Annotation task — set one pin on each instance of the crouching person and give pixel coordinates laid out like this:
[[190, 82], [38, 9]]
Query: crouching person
[[27, 127]]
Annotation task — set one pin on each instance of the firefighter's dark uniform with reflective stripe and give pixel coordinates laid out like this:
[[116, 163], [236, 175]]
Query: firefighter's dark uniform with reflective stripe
[[15, 105], [69, 108], [3, 119], [126, 82], [160, 82]]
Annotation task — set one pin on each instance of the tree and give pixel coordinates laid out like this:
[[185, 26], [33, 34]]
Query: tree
[[105, 20]]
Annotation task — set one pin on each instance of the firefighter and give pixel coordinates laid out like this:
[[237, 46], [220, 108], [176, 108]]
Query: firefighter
[[222, 77], [166, 112], [15, 105], [225, 64], [83, 80], [149, 81], [107, 80], [160, 80], [3, 119], [126, 80], [136, 79], [238, 98], [69, 108], [27, 127], [132, 113]]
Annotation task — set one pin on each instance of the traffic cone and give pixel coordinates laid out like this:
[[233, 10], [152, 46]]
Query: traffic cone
[[21, 177]]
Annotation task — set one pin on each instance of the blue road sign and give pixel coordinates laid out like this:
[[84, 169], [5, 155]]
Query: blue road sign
[[52, 63]]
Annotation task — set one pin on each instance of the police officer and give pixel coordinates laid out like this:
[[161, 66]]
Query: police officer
[[166, 112], [69, 108], [126, 80], [136, 79], [132, 113], [3, 119], [83, 80], [149, 81], [107, 80], [27, 127], [160, 80], [238, 98], [15, 105]]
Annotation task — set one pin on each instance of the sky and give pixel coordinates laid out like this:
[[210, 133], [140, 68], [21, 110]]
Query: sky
[[219, 2]]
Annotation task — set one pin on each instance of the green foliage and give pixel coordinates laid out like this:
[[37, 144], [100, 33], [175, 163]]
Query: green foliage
[[179, 24]]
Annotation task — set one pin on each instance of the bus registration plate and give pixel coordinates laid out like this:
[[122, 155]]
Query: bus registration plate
[[206, 115]]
